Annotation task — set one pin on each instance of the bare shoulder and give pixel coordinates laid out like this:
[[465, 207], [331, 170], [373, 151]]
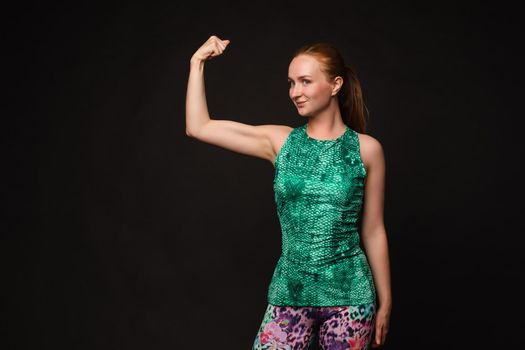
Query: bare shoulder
[[371, 149]]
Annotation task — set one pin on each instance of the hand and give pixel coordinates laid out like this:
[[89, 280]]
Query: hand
[[381, 327], [213, 47]]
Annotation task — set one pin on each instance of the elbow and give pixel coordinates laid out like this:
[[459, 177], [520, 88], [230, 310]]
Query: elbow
[[194, 131], [372, 233], [191, 132]]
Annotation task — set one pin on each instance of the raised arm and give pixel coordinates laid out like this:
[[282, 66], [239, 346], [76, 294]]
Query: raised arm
[[262, 141]]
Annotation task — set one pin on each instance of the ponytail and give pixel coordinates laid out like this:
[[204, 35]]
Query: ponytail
[[351, 102]]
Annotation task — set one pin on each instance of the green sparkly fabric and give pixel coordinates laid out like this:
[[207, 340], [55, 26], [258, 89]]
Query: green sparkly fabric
[[319, 188]]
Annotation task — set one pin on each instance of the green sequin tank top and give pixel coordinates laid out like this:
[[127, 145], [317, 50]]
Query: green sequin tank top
[[319, 189]]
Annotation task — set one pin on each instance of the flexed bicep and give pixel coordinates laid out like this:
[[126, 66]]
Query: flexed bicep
[[255, 140]]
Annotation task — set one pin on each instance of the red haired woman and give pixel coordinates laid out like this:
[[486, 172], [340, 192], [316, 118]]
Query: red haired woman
[[329, 193]]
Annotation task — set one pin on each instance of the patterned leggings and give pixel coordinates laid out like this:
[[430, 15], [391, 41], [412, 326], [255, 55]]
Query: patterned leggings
[[338, 327]]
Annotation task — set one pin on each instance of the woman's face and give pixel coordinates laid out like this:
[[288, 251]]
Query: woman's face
[[309, 88]]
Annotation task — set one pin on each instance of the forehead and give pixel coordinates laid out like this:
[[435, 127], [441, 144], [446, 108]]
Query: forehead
[[304, 65]]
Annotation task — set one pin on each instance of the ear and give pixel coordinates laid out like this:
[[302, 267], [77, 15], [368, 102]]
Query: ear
[[337, 83]]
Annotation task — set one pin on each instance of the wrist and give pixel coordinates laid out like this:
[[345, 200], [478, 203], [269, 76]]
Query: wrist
[[195, 61], [385, 303], [385, 306]]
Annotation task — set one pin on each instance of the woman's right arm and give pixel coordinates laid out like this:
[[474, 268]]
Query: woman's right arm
[[262, 141]]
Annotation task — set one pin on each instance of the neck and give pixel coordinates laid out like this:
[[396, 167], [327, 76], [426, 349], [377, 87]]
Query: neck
[[326, 124]]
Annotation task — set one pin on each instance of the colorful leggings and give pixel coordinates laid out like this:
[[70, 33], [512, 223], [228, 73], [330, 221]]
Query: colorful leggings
[[338, 327]]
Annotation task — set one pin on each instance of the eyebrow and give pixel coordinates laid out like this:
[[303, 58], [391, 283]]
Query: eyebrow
[[302, 76]]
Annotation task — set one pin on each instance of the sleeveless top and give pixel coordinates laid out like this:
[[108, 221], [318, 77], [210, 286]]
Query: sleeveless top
[[319, 188]]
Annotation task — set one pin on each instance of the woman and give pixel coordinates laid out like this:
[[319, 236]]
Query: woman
[[325, 173]]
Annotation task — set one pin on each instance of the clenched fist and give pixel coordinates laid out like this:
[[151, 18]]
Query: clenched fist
[[213, 47]]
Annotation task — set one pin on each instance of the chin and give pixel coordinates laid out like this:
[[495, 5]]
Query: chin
[[303, 113]]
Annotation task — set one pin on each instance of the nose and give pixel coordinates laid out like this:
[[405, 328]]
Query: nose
[[295, 91]]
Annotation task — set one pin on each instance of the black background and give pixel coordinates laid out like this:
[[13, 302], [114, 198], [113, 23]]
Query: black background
[[120, 232]]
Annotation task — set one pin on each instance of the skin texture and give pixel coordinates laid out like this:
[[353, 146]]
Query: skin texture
[[315, 97]]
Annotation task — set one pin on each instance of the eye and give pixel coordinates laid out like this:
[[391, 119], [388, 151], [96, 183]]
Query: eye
[[290, 83], [306, 81]]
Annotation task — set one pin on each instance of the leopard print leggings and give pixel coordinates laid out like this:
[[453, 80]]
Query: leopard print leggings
[[337, 327]]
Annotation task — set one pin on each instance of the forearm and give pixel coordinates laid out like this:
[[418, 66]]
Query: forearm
[[376, 247], [196, 107]]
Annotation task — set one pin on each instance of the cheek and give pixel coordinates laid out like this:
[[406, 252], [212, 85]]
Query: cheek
[[319, 93]]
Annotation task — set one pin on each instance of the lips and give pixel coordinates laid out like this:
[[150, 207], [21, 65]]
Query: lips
[[300, 104]]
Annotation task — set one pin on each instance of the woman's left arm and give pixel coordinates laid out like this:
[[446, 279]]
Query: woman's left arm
[[373, 233]]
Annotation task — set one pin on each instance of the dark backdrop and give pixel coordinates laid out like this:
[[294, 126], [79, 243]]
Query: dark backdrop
[[120, 232]]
